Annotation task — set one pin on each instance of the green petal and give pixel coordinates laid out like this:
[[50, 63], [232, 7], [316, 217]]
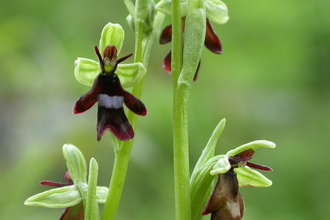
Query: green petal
[[252, 145], [165, 6], [249, 177], [86, 70], [112, 34], [56, 198], [76, 163], [216, 11], [222, 166], [101, 194], [130, 74]]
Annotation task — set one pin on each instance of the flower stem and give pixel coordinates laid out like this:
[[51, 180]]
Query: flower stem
[[123, 151], [180, 122]]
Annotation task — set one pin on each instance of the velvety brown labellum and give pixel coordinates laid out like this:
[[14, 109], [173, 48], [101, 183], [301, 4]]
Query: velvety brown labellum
[[226, 203]]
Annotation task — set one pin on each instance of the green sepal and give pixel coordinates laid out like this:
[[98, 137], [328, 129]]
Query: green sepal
[[201, 187], [221, 166], [76, 164], [165, 6], [62, 197], [252, 145], [216, 11], [86, 70], [249, 177], [208, 151], [101, 194], [112, 34], [130, 74], [201, 180]]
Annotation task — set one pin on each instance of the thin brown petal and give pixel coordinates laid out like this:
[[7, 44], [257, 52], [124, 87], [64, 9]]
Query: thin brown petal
[[166, 35], [212, 42], [134, 104], [168, 62]]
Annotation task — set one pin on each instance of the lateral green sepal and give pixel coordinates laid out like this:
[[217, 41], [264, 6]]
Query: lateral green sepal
[[61, 197]]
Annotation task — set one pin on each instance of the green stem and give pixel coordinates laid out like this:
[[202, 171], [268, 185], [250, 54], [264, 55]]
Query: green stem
[[122, 153], [180, 122]]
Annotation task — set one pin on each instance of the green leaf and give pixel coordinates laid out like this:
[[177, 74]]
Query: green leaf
[[252, 145], [249, 177], [112, 34], [86, 70], [130, 74], [216, 11], [56, 198], [76, 163]]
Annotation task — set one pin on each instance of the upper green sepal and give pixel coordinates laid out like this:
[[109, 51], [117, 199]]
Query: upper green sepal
[[76, 163], [61, 197], [112, 34], [251, 145], [216, 11]]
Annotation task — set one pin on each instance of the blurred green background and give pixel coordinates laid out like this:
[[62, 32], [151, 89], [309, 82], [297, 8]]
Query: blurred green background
[[272, 82]]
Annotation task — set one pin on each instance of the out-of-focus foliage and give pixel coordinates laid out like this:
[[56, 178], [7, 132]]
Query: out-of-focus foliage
[[272, 82]]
